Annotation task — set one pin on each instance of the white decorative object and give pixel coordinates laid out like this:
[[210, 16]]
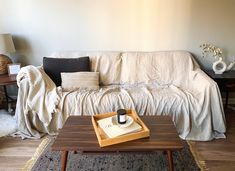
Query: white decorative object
[[219, 66], [13, 69], [230, 66]]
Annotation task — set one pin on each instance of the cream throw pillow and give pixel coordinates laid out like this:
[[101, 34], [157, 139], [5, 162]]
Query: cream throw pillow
[[80, 80]]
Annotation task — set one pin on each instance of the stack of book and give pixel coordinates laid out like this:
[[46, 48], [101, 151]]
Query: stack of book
[[113, 129], [109, 130]]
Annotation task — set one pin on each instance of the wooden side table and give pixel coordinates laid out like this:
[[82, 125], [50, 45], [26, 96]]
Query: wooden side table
[[225, 81], [6, 80]]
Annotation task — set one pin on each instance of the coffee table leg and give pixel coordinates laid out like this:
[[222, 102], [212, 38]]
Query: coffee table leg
[[64, 160], [170, 160]]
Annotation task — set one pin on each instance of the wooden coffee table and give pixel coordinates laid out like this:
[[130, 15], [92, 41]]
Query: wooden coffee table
[[78, 134]]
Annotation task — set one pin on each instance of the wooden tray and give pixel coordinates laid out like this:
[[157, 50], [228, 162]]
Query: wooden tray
[[104, 140]]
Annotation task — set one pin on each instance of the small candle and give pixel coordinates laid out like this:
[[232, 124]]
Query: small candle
[[121, 115]]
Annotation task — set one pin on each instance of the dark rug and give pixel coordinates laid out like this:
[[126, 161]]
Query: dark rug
[[50, 161]]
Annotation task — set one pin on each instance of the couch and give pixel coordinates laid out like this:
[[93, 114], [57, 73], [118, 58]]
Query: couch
[[152, 83]]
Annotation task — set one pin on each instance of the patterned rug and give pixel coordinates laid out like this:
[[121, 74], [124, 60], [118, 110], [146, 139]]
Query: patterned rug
[[47, 160]]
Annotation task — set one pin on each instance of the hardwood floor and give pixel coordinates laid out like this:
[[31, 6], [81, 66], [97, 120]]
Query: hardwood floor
[[218, 154], [15, 152]]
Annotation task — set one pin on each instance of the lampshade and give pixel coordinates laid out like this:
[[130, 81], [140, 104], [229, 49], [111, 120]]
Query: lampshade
[[6, 46]]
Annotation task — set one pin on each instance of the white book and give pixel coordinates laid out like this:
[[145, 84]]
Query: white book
[[113, 130]]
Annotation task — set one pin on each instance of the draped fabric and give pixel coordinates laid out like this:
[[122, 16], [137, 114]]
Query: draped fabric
[[152, 83]]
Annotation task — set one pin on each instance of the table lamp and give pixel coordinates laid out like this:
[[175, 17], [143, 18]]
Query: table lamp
[[6, 46]]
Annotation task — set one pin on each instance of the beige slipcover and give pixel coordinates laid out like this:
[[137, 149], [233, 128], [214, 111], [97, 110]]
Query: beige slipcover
[[152, 83]]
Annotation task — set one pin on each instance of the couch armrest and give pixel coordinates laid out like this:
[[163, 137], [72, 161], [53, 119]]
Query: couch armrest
[[207, 94], [200, 80], [37, 101], [31, 73], [42, 95]]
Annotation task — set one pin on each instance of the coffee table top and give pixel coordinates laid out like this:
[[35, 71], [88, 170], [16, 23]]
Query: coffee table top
[[78, 134]]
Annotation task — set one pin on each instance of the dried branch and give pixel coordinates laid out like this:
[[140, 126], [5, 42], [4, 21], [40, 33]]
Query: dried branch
[[208, 48]]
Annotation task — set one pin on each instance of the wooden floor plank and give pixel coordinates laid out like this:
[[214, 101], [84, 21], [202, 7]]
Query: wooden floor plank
[[220, 154], [15, 152]]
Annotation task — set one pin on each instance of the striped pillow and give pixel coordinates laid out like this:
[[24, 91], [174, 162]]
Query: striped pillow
[[80, 80]]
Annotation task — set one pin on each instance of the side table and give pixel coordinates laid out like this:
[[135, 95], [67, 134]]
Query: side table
[[225, 81], [6, 80]]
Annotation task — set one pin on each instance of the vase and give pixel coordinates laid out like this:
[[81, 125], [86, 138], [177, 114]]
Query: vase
[[229, 67], [219, 66]]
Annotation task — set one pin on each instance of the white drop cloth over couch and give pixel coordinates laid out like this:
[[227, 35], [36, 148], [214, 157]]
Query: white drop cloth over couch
[[152, 83]]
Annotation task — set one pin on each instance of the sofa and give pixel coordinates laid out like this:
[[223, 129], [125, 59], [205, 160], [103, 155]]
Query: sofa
[[152, 83]]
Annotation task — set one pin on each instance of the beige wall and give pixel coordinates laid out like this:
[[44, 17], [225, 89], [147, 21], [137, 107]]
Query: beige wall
[[41, 27]]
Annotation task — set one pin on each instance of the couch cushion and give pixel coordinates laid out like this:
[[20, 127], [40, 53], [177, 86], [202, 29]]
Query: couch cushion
[[79, 80], [108, 64], [167, 67], [170, 67], [54, 66]]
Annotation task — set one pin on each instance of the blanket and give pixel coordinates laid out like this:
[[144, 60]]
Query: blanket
[[190, 111], [196, 109], [37, 100]]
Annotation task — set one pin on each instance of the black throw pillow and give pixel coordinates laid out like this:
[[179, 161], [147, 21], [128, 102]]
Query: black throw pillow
[[54, 66]]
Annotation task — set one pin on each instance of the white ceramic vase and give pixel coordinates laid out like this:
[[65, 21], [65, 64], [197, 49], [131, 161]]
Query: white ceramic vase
[[230, 66], [219, 66]]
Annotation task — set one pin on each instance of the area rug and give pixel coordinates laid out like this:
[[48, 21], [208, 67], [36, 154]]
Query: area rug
[[44, 160], [7, 123]]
